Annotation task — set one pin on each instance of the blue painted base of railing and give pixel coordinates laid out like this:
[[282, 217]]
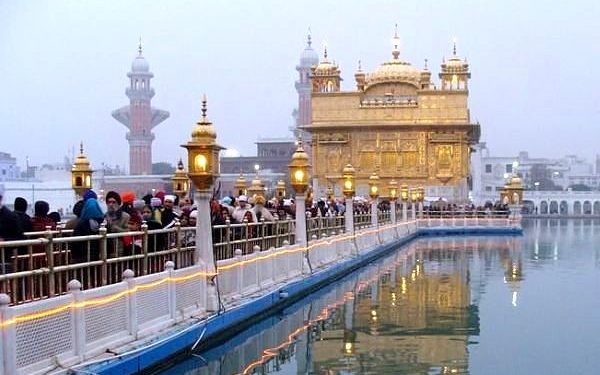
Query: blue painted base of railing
[[451, 231], [230, 319]]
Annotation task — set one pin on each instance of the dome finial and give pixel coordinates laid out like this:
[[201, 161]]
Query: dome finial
[[359, 66], [309, 38], [454, 46], [204, 107], [140, 47], [81, 147], [325, 51], [426, 64], [396, 43]]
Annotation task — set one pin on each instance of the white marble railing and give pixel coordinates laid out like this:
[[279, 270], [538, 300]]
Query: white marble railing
[[68, 330]]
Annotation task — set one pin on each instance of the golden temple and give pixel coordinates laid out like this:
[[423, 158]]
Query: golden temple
[[396, 122]]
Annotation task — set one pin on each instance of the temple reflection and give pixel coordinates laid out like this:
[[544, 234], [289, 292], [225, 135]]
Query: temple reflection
[[413, 313]]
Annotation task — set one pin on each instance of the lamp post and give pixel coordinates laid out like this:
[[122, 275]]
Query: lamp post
[[404, 196], [180, 181], [81, 174], [299, 179], [203, 162], [280, 190], [393, 187], [348, 174], [240, 185], [413, 200], [420, 199], [374, 194]]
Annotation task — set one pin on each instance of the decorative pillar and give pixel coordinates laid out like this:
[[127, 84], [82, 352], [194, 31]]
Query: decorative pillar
[[374, 194], [348, 176], [404, 197], [203, 164], [393, 194], [299, 179]]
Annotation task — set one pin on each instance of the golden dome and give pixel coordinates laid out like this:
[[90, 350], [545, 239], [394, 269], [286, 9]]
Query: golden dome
[[325, 67], [455, 63], [204, 128], [81, 164], [515, 180], [395, 70]]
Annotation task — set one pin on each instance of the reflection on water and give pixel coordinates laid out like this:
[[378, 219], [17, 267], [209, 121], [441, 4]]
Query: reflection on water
[[452, 305]]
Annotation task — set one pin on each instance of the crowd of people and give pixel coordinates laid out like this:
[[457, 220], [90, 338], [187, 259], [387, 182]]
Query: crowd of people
[[124, 212]]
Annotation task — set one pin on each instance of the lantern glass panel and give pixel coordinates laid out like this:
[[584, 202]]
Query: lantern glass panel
[[299, 176], [201, 163]]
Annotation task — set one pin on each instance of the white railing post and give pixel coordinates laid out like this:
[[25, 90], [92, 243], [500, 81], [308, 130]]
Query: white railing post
[[78, 334], [255, 253], [300, 220], [171, 292], [131, 302], [405, 211], [8, 346], [240, 272], [393, 211], [374, 213]]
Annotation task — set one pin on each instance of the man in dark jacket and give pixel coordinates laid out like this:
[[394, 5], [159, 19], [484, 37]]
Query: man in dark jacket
[[9, 223], [21, 212]]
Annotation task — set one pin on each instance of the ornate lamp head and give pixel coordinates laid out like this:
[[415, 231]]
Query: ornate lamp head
[[393, 186], [414, 195], [180, 181], [81, 173], [280, 189], [299, 170], [404, 192], [348, 177], [203, 152], [374, 185], [240, 185]]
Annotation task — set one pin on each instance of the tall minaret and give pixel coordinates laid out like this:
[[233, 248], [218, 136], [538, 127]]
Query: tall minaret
[[139, 116], [308, 58]]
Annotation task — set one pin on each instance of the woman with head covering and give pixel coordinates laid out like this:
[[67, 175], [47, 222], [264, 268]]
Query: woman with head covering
[[89, 224]]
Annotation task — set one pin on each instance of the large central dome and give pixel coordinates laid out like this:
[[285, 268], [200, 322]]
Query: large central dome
[[395, 70]]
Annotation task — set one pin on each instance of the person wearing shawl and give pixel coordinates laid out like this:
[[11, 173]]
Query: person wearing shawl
[[89, 224]]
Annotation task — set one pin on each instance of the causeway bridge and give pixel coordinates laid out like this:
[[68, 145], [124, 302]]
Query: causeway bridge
[[115, 312]]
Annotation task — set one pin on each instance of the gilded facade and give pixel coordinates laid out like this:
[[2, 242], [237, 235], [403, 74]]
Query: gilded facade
[[397, 122]]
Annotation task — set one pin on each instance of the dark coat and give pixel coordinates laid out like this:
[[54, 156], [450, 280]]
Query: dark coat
[[10, 228], [24, 221]]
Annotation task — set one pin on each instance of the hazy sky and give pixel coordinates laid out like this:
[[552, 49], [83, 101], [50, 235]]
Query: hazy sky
[[63, 68]]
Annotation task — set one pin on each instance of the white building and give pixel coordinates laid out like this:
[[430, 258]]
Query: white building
[[8, 167], [489, 173]]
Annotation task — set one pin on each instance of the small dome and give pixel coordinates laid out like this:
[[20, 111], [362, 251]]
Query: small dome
[[325, 67], [515, 180], [140, 64], [309, 57]]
